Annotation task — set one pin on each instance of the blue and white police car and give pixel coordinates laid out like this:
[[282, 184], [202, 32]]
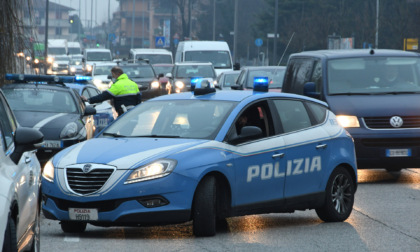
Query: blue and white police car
[[205, 156]]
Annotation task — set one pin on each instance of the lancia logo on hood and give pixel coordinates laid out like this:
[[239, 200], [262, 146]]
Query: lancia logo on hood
[[396, 121], [87, 168]]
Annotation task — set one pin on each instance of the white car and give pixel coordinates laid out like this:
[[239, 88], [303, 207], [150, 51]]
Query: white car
[[100, 73], [20, 183]]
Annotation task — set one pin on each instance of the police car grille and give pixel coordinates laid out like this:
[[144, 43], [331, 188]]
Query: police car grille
[[85, 183], [384, 122]]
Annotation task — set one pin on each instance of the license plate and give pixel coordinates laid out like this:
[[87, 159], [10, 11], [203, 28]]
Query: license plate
[[52, 144], [83, 214], [398, 152]]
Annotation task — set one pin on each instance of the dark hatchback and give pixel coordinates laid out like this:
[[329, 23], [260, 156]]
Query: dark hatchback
[[46, 104], [248, 75], [144, 75]]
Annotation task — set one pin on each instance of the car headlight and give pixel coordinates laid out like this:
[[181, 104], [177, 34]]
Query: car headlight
[[97, 82], [70, 130], [28, 58], [72, 69], [348, 121], [48, 172], [50, 60], [179, 84], [36, 61], [88, 68], [55, 64], [155, 84], [157, 169]]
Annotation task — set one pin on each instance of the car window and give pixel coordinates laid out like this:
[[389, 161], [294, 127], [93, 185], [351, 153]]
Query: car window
[[318, 112], [293, 115], [275, 77], [136, 71], [41, 100], [205, 71], [298, 73], [8, 125]]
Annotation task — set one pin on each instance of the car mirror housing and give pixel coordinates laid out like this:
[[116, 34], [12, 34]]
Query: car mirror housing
[[247, 133], [90, 110], [26, 139], [309, 89]]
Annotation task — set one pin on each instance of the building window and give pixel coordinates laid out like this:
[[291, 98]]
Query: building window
[[58, 31], [58, 14]]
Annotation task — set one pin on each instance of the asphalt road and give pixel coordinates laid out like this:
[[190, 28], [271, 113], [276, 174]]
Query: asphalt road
[[385, 217]]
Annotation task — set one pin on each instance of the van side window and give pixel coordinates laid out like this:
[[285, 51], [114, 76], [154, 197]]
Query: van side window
[[298, 73], [317, 76], [293, 115]]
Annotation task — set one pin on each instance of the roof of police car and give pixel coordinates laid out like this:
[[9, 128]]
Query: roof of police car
[[235, 96], [349, 53]]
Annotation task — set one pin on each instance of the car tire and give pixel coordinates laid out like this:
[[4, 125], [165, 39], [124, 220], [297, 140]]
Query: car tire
[[73, 227], [204, 208], [10, 240], [339, 197], [36, 243]]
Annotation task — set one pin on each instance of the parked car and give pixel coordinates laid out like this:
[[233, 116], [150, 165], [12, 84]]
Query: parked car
[[184, 73], [142, 73], [226, 79], [45, 103], [20, 183], [105, 114], [274, 74], [101, 73], [75, 65], [382, 117], [205, 156]]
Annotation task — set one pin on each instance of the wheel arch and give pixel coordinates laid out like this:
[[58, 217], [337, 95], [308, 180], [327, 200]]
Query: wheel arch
[[353, 175]]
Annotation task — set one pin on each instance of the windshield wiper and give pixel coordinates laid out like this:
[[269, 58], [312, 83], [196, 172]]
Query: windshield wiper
[[399, 92], [351, 93], [158, 136], [113, 134]]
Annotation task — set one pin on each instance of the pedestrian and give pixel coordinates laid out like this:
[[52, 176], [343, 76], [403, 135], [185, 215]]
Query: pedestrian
[[124, 93]]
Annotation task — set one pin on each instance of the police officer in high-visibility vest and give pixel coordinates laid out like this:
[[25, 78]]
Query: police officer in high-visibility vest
[[124, 92]]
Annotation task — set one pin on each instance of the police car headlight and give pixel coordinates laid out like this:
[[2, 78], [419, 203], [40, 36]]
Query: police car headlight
[[70, 130], [97, 82], [158, 169], [179, 84], [48, 172], [155, 84], [89, 68], [348, 121]]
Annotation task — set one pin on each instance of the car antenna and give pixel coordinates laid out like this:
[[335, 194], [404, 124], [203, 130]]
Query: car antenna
[[286, 48]]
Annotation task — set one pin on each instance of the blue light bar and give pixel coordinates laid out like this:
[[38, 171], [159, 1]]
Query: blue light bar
[[194, 81], [47, 78], [261, 84]]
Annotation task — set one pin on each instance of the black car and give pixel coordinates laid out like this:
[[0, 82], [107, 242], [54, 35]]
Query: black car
[[248, 75], [142, 73], [184, 73], [45, 103]]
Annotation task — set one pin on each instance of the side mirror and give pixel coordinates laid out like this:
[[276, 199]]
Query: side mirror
[[109, 77], [26, 139], [83, 60], [309, 89], [236, 87], [236, 66], [90, 110], [247, 133]]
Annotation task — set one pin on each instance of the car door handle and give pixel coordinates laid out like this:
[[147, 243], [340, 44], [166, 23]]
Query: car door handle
[[278, 155], [321, 146]]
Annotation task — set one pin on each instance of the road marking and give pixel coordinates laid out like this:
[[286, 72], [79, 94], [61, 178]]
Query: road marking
[[73, 238]]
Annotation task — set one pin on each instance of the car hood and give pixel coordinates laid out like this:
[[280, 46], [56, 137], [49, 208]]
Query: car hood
[[50, 124], [375, 105], [124, 153]]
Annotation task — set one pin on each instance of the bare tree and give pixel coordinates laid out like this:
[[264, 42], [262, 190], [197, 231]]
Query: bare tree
[[12, 35]]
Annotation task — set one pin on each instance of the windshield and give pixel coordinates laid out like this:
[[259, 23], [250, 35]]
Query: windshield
[[137, 71], [99, 56], [40, 100], [62, 58], [372, 75], [162, 69], [56, 50], [103, 70], [219, 59], [155, 58], [188, 71], [275, 77], [74, 50], [178, 118]]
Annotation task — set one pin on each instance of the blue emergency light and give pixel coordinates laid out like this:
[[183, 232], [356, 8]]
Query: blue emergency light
[[203, 86], [261, 84], [44, 79]]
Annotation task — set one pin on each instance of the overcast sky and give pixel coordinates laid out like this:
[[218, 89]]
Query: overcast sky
[[98, 14]]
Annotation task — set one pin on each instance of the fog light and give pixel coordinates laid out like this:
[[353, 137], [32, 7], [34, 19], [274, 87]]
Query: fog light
[[153, 202]]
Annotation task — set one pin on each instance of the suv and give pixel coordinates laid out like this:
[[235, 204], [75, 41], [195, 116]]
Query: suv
[[45, 103], [378, 107], [20, 179], [142, 73], [184, 73]]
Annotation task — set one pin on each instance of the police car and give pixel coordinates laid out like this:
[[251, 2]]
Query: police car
[[45, 103], [205, 156]]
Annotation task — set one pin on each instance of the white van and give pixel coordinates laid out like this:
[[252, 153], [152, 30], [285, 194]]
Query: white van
[[95, 55], [216, 52], [155, 56], [74, 48]]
